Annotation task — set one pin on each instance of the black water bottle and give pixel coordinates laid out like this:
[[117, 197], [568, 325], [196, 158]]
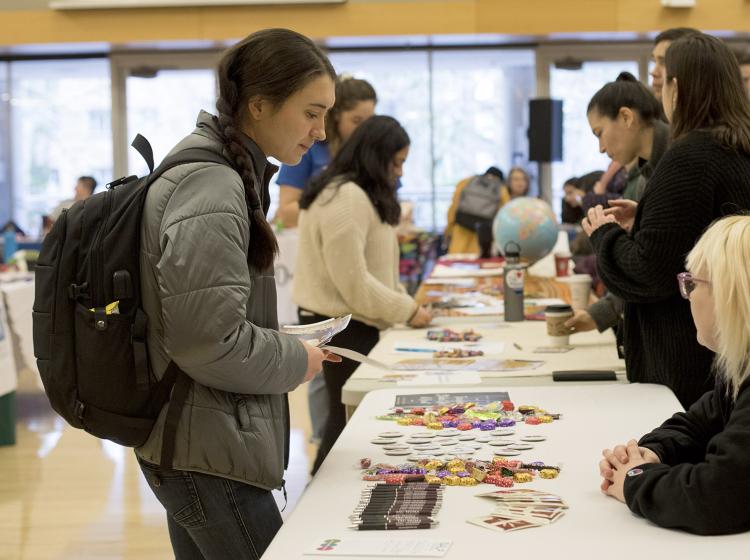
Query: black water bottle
[[513, 280]]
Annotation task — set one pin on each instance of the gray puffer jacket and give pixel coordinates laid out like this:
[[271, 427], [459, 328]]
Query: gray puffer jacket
[[216, 318]]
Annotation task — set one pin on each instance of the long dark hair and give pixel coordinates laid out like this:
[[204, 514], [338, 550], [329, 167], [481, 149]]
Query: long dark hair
[[675, 33], [349, 92], [365, 159], [626, 91], [710, 91], [273, 64]]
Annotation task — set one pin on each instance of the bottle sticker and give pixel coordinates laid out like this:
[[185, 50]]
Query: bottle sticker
[[514, 278]]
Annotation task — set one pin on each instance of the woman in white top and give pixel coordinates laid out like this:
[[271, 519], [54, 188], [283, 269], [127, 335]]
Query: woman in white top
[[348, 252]]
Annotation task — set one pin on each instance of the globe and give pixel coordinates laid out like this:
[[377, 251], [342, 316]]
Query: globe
[[531, 223]]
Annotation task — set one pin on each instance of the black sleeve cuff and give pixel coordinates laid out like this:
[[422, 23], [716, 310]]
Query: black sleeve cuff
[[635, 479], [655, 447], [604, 313], [602, 233]]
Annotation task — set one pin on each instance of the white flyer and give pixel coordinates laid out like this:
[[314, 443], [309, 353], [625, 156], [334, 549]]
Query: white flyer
[[392, 548], [357, 357], [318, 333]]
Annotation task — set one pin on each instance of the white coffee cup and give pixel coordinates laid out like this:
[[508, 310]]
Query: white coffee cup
[[580, 289], [557, 332]]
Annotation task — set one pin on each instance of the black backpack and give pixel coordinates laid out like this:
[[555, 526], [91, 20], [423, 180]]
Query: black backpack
[[91, 351], [479, 201]]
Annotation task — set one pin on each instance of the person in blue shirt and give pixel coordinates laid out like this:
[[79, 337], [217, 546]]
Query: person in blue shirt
[[355, 103]]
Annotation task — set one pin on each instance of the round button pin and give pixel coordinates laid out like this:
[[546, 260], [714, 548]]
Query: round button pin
[[391, 435], [398, 452], [508, 453], [503, 432]]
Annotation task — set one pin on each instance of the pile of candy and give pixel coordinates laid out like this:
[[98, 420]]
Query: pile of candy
[[448, 335], [456, 472], [467, 416], [457, 353]]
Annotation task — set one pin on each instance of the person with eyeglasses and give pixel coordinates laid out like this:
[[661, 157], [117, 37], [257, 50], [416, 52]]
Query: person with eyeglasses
[[703, 176], [693, 472]]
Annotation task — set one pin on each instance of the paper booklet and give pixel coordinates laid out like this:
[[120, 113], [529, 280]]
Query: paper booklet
[[319, 333]]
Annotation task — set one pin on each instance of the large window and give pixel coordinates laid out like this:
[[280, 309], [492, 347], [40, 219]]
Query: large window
[[61, 129], [463, 109], [479, 117]]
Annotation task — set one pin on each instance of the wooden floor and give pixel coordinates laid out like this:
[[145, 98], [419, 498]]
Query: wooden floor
[[65, 495]]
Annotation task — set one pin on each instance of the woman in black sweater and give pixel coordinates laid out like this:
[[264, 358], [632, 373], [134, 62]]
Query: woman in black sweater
[[693, 472], [703, 176]]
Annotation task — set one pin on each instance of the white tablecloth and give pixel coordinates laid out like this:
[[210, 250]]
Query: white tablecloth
[[591, 350], [595, 527], [19, 299], [8, 372]]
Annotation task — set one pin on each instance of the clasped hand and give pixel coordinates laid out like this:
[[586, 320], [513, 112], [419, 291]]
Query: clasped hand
[[616, 464]]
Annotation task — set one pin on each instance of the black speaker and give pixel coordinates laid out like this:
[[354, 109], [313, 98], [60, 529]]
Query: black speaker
[[545, 130]]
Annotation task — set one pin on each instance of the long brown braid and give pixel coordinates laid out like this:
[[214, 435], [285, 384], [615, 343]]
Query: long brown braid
[[273, 64]]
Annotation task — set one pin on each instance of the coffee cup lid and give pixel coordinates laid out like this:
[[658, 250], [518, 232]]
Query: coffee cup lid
[[559, 308]]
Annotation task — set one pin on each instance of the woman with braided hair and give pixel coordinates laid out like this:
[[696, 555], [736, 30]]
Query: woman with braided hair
[[207, 256]]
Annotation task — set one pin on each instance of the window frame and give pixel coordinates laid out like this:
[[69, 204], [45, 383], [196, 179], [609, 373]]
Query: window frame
[[122, 64]]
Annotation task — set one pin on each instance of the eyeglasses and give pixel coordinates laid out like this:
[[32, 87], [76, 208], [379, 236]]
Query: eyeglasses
[[687, 283]]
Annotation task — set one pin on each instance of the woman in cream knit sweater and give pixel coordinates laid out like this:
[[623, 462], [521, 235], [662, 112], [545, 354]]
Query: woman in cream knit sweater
[[347, 261]]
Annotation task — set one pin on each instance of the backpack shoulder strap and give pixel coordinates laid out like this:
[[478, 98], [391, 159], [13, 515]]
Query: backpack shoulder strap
[[179, 382], [143, 147], [474, 180], [189, 155], [490, 180]]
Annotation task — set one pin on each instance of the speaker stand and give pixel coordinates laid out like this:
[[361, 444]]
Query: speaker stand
[[545, 181]]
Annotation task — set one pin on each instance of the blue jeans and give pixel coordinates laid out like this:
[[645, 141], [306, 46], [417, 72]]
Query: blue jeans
[[213, 518]]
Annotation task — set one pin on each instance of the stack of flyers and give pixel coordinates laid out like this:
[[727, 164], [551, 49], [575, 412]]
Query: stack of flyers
[[521, 509], [319, 333]]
